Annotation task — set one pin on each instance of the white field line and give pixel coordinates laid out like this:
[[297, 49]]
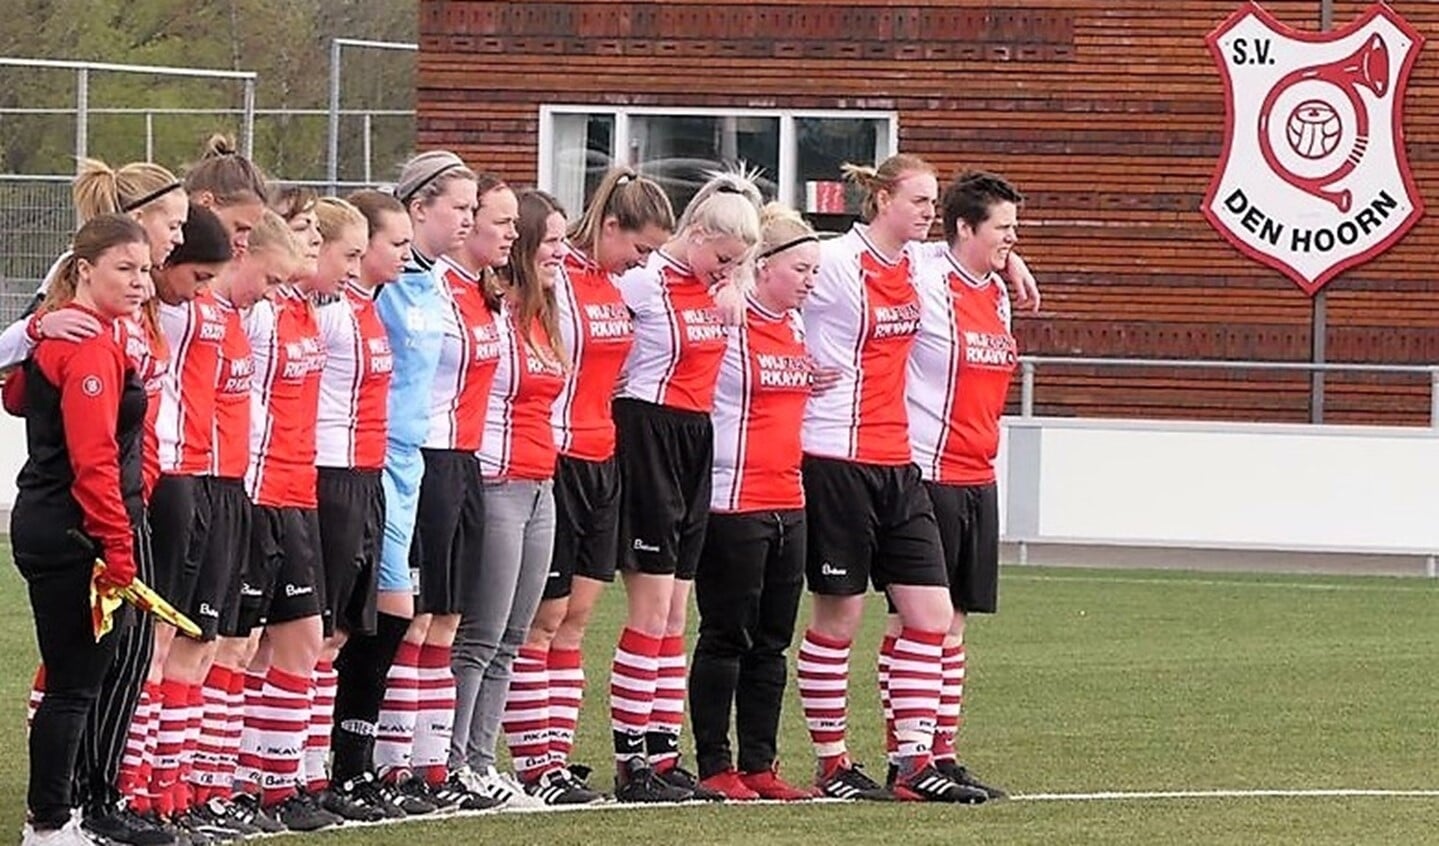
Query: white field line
[[1104, 796], [1008, 574], [1142, 795]]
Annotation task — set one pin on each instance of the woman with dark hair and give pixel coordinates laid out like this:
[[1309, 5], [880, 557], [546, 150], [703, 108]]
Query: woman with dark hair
[[628, 217], [80, 490], [517, 462]]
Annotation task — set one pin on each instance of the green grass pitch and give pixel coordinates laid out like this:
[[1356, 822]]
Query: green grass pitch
[[1087, 681]]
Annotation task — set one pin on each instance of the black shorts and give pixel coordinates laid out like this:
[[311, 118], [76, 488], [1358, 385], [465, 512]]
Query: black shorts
[[449, 530], [868, 523], [285, 581], [179, 519], [968, 517], [219, 545], [665, 457], [587, 523], [352, 522], [227, 549]]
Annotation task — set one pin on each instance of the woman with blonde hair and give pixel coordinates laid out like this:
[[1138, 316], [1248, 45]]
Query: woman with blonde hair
[[350, 450], [269, 261], [144, 191], [751, 568], [439, 194], [371, 625], [664, 448], [450, 511]]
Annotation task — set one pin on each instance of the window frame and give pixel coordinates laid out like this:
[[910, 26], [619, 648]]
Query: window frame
[[785, 179]]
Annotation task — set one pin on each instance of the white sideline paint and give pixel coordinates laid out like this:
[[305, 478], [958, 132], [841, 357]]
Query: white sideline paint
[[1010, 574], [1139, 796]]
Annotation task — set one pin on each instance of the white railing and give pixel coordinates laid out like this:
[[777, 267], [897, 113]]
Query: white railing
[[1297, 488], [1030, 365]]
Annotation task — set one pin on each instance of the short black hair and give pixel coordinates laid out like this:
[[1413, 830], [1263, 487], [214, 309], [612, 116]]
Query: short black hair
[[970, 197], [206, 240]]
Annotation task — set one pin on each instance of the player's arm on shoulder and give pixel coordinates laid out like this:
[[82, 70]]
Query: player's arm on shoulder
[[1022, 282]]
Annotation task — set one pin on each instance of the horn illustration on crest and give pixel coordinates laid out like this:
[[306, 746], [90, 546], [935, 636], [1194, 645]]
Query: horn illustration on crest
[[1314, 127]]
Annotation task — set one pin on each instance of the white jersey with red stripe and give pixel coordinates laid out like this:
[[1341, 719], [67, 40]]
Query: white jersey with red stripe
[[860, 320], [195, 332], [597, 332], [230, 433], [355, 385], [959, 370], [519, 442], [469, 353], [284, 400], [764, 382], [679, 336]]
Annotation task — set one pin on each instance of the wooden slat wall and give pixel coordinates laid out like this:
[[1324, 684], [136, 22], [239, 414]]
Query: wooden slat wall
[[1107, 113]]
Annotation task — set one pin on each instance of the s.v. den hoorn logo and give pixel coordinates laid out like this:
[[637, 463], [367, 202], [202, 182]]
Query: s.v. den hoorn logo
[[1313, 178]]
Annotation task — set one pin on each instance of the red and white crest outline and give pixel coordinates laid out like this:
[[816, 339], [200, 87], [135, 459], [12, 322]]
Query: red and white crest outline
[[1313, 179]]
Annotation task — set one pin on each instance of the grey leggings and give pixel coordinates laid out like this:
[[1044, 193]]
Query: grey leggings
[[514, 563]]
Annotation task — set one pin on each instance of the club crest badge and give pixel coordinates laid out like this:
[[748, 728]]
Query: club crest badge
[[1313, 178]]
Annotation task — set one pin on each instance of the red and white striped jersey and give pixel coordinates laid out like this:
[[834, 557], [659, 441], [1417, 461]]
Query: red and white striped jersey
[[679, 336], [519, 442], [230, 431], [469, 353], [150, 355], [284, 400], [355, 386], [597, 332], [959, 370], [195, 332], [764, 382], [860, 319]]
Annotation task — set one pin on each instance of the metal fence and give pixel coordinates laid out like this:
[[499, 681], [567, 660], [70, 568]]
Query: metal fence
[[36, 216], [36, 222]]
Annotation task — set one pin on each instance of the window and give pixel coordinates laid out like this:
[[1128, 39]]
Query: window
[[799, 154]]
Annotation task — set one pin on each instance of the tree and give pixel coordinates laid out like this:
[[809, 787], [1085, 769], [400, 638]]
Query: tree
[[286, 42]]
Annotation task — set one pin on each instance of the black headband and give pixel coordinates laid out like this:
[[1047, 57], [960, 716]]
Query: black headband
[[153, 195], [410, 194], [793, 242]]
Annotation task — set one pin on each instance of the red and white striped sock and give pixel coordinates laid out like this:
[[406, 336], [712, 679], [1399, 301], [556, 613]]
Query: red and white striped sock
[[193, 721], [823, 691], [662, 740], [214, 723], [132, 763], [951, 702], [632, 692], [886, 655], [143, 802], [527, 714], [567, 688], [234, 731], [282, 717], [914, 681], [247, 762], [395, 728], [174, 717], [37, 695], [322, 719], [435, 721]]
